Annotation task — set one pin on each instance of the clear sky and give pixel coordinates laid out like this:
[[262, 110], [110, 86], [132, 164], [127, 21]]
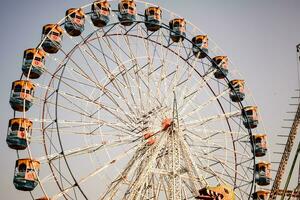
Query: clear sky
[[260, 37]]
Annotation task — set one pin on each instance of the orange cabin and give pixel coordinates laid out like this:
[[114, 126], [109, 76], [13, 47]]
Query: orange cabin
[[200, 46], [177, 29], [100, 13], [260, 144], [21, 97], [53, 37], [19, 132], [237, 93], [33, 63], [26, 174], [261, 195], [127, 12], [263, 173], [250, 116], [74, 23], [224, 192], [153, 17], [220, 63]]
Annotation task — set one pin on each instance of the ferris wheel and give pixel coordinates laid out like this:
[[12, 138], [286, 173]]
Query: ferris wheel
[[127, 100]]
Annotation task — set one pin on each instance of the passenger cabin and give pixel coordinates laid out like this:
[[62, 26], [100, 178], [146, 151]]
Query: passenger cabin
[[18, 133], [177, 29], [260, 195], [149, 137], [21, 96], [127, 12], [250, 116], [74, 22], [263, 173], [153, 17], [260, 144], [220, 63], [220, 192], [237, 93], [33, 63], [26, 174], [100, 13], [200, 46], [53, 34]]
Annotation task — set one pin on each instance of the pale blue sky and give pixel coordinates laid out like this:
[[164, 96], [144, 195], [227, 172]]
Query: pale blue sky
[[259, 36]]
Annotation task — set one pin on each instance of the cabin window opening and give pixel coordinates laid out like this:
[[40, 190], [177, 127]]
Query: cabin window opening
[[55, 33], [258, 140], [38, 59], [26, 91], [30, 170], [237, 87], [47, 31], [249, 112], [15, 126], [72, 15], [29, 56], [18, 88], [78, 17], [125, 6], [198, 41], [151, 12], [22, 167]]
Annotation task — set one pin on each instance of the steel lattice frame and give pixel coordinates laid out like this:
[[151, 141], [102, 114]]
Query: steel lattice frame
[[112, 85]]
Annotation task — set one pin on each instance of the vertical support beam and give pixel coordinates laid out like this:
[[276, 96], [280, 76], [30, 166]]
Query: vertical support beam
[[174, 157], [174, 166], [288, 146], [299, 175], [290, 173], [136, 186], [285, 155]]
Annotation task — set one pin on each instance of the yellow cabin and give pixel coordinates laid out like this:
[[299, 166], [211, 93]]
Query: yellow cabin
[[237, 93], [33, 63], [250, 116], [220, 63], [22, 93], [52, 33], [200, 46], [19, 132], [263, 173], [177, 29], [100, 13], [43, 198], [261, 195], [153, 17], [74, 22], [224, 192], [260, 144], [26, 174], [127, 12]]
